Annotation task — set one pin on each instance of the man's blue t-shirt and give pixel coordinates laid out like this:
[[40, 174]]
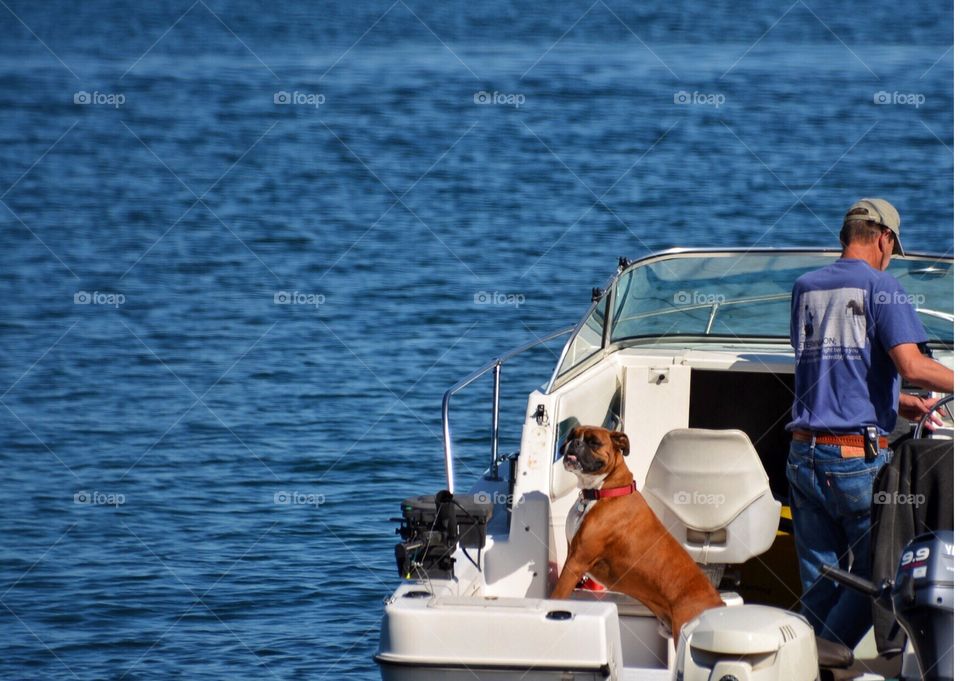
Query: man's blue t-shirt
[[844, 320]]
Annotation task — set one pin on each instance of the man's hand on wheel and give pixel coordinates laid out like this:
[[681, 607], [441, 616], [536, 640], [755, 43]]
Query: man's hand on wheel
[[913, 408]]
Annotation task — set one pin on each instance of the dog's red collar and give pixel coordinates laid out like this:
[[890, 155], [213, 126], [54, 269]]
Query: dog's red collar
[[603, 493]]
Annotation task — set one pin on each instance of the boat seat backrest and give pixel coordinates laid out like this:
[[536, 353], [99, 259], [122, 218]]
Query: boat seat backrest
[[711, 491]]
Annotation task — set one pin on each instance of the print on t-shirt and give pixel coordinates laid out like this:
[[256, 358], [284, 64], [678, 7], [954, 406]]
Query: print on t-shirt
[[833, 324]]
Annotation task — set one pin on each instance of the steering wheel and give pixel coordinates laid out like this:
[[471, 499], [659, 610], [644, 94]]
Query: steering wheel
[[942, 402]]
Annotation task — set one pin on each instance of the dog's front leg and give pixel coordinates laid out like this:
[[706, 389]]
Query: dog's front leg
[[579, 561], [569, 577]]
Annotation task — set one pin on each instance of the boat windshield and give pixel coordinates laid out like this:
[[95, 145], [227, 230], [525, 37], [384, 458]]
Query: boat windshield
[[745, 295], [739, 295]]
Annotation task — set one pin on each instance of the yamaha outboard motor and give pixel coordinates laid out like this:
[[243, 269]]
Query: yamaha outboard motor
[[921, 598], [923, 602]]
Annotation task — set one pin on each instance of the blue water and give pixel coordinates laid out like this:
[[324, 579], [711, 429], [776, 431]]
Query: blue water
[[148, 437]]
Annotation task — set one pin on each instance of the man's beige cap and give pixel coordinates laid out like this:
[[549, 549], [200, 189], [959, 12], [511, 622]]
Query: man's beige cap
[[883, 213]]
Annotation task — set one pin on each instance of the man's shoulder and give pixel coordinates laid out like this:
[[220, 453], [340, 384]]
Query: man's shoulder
[[836, 274], [813, 277], [851, 273], [887, 282]]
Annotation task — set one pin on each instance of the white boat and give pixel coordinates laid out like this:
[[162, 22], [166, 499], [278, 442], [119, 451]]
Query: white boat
[[693, 343]]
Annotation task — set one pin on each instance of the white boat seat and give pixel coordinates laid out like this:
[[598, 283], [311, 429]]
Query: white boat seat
[[711, 492]]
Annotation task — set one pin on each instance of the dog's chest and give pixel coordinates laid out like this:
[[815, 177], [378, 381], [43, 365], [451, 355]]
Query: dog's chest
[[582, 506], [576, 516]]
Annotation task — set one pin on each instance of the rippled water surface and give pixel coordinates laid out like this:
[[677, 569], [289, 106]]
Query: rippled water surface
[[199, 477]]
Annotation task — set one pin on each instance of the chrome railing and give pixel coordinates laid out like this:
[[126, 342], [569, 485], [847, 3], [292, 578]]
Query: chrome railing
[[493, 365]]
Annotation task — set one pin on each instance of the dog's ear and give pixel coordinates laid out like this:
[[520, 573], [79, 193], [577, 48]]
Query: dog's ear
[[621, 442]]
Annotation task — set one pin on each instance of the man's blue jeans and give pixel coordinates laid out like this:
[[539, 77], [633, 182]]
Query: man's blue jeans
[[830, 498]]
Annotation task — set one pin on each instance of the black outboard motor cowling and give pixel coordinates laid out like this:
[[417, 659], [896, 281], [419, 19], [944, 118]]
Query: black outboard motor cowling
[[923, 602], [434, 525]]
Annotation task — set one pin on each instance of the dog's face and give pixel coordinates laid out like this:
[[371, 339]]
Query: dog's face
[[592, 450]]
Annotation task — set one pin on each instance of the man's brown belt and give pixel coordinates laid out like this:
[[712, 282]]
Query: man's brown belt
[[850, 445]]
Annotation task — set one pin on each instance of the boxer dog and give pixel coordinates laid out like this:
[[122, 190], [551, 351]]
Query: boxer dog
[[619, 540]]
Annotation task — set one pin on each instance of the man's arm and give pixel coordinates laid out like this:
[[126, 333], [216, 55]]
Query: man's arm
[[920, 370]]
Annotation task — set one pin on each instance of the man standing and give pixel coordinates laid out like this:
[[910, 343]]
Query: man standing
[[854, 334]]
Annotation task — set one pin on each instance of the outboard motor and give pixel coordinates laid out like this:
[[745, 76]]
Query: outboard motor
[[433, 526], [923, 602], [921, 598]]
